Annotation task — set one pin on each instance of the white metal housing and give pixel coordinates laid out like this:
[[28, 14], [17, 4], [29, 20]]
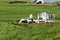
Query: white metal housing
[[46, 17]]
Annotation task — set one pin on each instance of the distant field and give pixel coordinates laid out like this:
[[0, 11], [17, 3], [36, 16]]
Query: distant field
[[12, 12], [16, 0]]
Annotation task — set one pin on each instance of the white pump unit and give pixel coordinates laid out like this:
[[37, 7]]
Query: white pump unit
[[46, 17]]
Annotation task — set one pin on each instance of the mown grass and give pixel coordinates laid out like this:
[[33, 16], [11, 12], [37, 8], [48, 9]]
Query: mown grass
[[12, 12], [16, 11]]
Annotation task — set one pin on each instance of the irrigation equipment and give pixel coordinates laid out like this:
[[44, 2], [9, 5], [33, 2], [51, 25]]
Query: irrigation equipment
[[41, 18]]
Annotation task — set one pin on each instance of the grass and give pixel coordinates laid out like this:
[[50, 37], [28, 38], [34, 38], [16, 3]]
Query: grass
[[16, 0], [12, 12]]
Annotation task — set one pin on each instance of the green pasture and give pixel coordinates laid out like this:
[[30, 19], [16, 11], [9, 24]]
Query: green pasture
[[16, 0], [13, 12]]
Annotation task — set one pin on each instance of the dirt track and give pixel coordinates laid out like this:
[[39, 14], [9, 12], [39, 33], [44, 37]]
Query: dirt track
[[57, 21]]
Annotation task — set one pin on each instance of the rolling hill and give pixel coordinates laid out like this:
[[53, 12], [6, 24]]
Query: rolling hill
[[15, 0]]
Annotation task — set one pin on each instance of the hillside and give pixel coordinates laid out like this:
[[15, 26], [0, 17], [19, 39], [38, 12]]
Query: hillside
[[15, 0]]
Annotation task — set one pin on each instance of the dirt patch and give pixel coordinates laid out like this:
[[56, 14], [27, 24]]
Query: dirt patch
[[57, 21]]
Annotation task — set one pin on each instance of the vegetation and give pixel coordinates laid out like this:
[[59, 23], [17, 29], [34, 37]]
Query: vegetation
[[12, 12], [15, 0]]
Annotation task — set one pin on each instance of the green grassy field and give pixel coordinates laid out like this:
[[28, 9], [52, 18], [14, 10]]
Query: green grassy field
[[16, 0], [12, 12]]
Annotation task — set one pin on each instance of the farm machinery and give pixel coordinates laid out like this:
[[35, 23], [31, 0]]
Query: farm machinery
[[41, 17]]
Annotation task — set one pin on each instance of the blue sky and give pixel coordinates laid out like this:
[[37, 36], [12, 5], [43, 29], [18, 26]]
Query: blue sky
[[51, 0]]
